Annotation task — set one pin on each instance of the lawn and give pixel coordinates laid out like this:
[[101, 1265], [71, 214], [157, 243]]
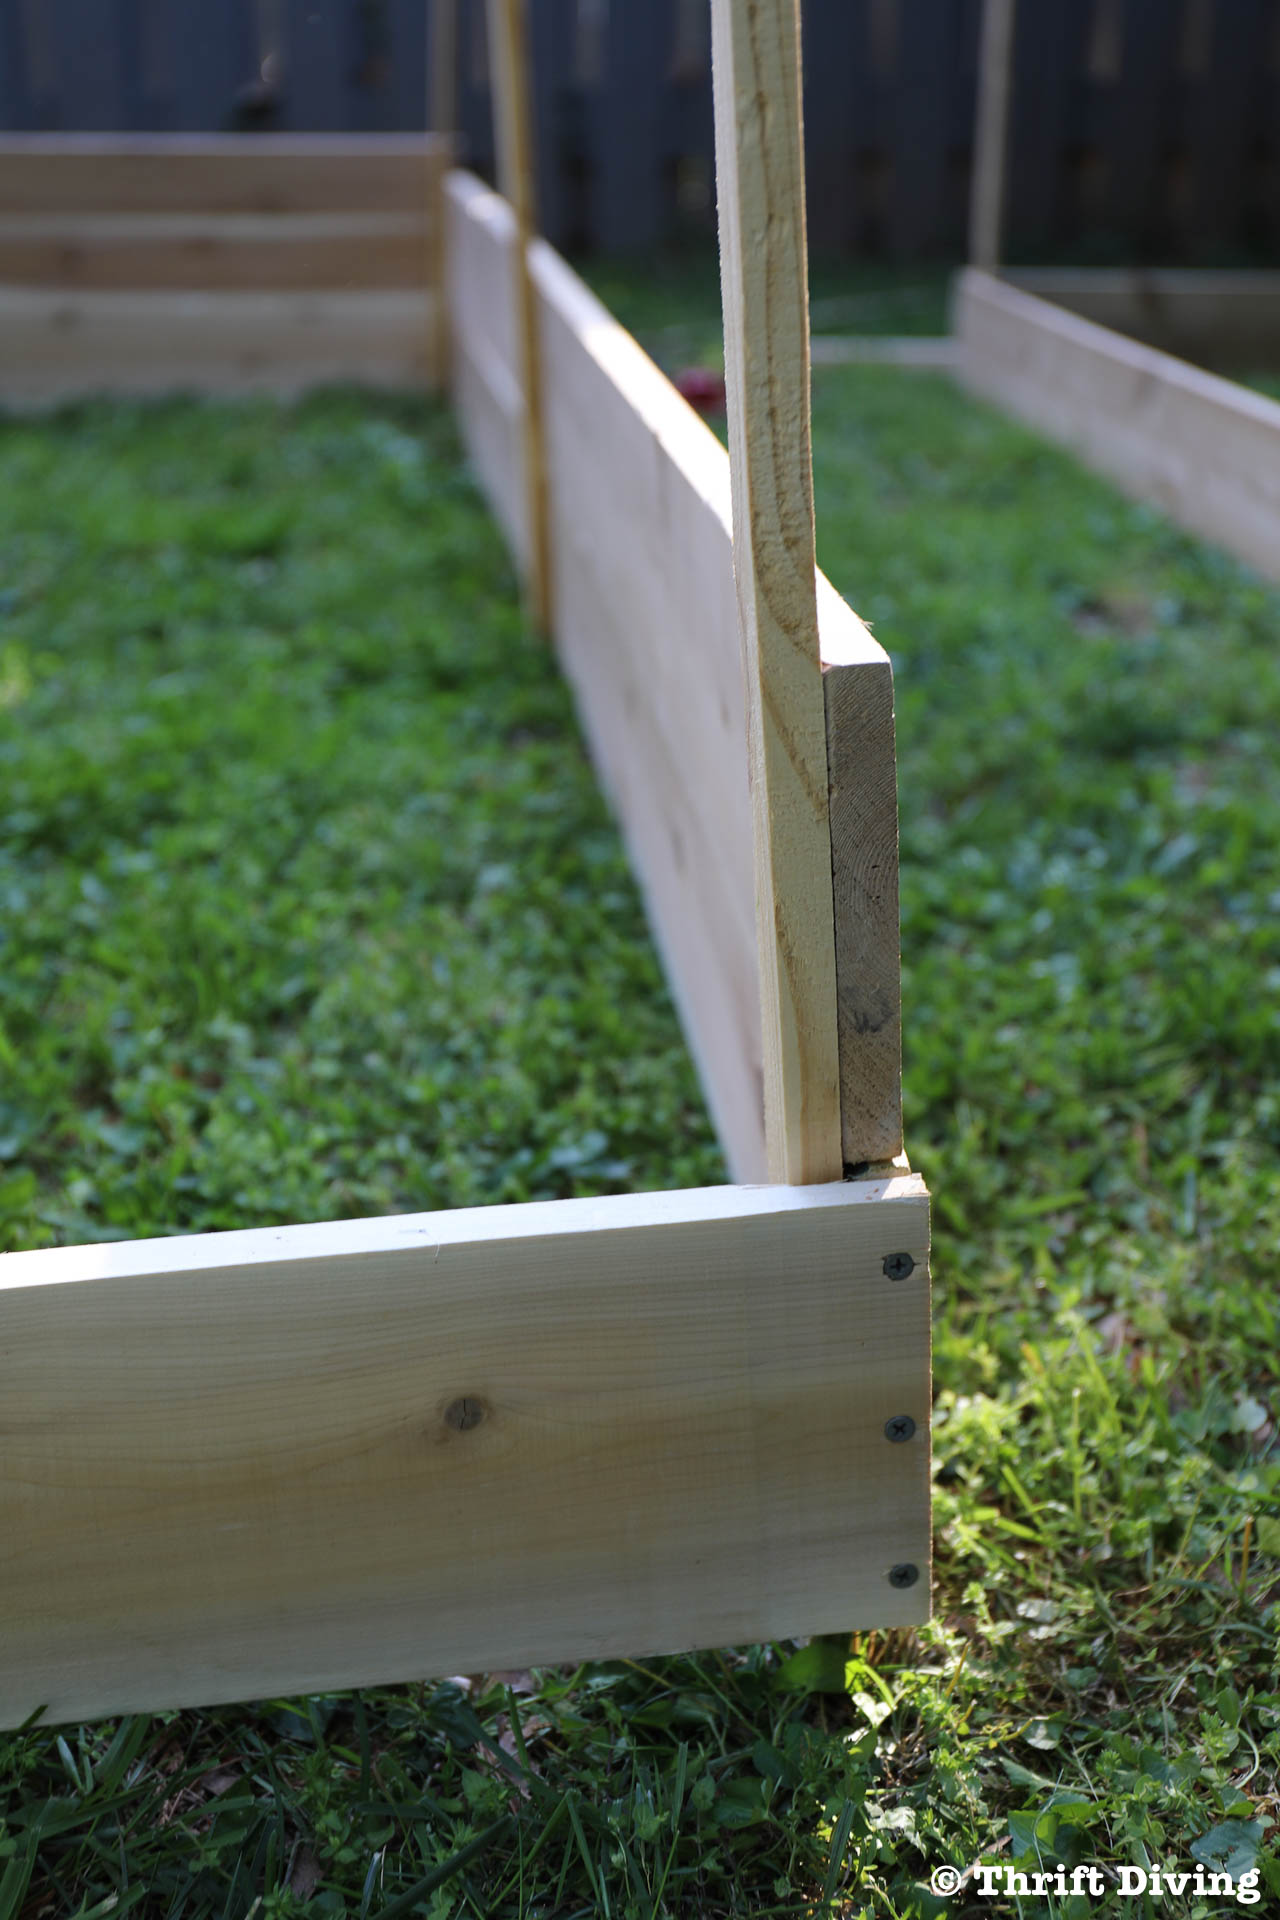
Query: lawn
[[313, 910]]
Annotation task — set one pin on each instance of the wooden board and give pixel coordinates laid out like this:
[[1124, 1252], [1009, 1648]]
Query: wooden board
[[479, 238], [765, 296], [647, 632], [219, 173], [857, 682], [1221, 319], [280, 1461], [269, 252], [54, 345], [1204, 450]]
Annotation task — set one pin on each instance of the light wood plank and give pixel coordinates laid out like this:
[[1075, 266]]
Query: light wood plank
[[55, 345], [509, 65], [991, 133], [760, 189], [247, 1464], [271, 252], [218, 173], [647, 633], [1204, 450], [857, 681]]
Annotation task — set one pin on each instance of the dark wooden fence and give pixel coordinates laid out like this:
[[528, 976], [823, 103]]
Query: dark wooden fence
[[1142, 129]]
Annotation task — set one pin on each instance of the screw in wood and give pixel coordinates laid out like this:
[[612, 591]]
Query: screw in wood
[[904, 1574], [899, 1266], [900, 1428], [464, 1414]]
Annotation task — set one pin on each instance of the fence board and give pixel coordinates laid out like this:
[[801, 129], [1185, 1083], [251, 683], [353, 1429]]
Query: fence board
[[403, 94], [834, 41], [928, 50], [1216, 131], [213, 55], [97, 57], [16, 109], [552, 32], [319, 56], [627, 120], [1137, 122], [1049, 40]]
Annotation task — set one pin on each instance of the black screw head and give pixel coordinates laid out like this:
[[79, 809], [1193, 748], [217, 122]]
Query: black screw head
[[900, 1428], [899, 1266], [904, 1574]]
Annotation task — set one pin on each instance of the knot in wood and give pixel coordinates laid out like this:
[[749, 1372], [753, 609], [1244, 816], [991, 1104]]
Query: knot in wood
[[465, 1413]]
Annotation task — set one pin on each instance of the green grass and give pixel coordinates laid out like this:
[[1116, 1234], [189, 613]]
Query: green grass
[[313, 910]]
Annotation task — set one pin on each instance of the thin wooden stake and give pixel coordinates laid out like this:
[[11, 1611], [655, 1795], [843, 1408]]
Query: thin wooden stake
[[760, 176], [509, 72], [991, 134], [442, 75]]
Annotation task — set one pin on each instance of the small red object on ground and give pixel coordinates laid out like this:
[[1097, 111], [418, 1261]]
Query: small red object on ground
[[702, 388]]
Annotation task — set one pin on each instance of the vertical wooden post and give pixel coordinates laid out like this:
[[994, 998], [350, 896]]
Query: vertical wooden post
[[442, 108], [443, 62], [509, 70], [763, 270], [991, 134]]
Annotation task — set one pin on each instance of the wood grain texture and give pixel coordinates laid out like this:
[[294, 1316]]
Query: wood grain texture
[[242, 252], [857, 681], [991, 133], [218, 173], [1204, 450], [54, 345], [236, 1466], [764, 281], [509, 65], [647, 632]]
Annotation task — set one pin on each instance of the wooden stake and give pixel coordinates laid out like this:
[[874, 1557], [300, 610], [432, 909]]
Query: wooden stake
[[443, 66], [991, 134], [760, 176], [442, 76], [509, 72]]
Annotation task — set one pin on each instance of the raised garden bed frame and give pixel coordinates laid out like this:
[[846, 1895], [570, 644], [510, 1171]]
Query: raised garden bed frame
[[1041, 345], [256, 1462]]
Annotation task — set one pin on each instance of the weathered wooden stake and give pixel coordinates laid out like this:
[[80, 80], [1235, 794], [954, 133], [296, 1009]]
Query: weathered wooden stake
[[991, 134], [509, 71], [763, 269]]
